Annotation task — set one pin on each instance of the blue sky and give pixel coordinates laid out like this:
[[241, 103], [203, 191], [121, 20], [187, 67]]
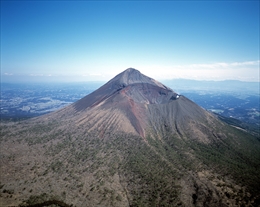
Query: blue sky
[[95, 40]]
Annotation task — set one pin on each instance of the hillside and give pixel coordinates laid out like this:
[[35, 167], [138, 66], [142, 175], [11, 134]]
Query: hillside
[[132, 142]]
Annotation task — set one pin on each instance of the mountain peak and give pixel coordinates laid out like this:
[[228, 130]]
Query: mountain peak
[[129, 70], [133, 76], [131, 84], [130, 76]]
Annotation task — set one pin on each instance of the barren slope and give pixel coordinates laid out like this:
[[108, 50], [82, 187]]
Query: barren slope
[[132, 102]]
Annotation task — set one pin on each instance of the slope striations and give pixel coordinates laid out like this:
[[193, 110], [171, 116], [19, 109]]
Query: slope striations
[[132, 142]]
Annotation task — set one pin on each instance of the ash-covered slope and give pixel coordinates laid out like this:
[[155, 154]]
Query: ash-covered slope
[[134, 103]]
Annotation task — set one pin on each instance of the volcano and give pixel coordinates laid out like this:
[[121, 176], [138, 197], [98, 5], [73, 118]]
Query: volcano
[[134, 103], [132, 142]]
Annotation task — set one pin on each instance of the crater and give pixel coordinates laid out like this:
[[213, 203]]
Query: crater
[[149, 94]]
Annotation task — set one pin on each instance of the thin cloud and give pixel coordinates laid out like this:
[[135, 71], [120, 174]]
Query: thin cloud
[[8, 74], [244, 71], [222, 65]]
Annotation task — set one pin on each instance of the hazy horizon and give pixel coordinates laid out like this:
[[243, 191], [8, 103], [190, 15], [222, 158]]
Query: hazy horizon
[[41, 79]]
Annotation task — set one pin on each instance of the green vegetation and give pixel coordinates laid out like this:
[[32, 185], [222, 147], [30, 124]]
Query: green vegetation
[[250, 128], [124, 168], [236, 156]]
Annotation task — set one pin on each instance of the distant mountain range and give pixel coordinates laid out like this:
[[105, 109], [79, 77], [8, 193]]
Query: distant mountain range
[[230, 86], [131, 142]]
